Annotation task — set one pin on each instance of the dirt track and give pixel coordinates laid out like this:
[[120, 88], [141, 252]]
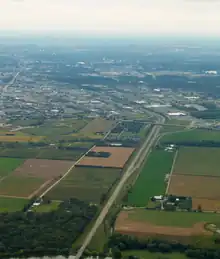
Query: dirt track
[[125, 226]]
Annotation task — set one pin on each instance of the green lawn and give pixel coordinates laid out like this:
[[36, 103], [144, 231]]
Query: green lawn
[[175, 219], [86, 184], [192, 135], [8, 165], [147, 255], [198, 161], [47, 207], [12, 204], [151, 179]]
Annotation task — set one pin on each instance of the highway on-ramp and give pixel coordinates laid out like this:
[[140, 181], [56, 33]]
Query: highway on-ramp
[[135, 164]]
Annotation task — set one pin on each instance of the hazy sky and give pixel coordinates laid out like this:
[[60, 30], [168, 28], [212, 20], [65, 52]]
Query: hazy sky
[[113, 16]]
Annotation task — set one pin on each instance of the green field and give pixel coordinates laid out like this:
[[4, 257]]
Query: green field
[[86, 184], [151, 179], [171, 128], [178, 122], [195, 135], [19, 186], [47, 207], [12, 204], [8, 165], [41, 153], [147, 255], [198, 161], [174, 219], [53, 128]]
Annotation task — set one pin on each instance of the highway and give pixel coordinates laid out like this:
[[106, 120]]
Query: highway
[[135, 164], [11, 82]]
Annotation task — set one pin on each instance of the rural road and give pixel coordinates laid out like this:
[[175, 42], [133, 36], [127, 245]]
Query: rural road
[[135, 163]]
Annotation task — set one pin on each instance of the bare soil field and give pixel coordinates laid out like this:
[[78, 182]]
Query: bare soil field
[[46, 169], [195, 186], [125, 225], [203, 189], [98, 125], [206, 204], [118, 158]]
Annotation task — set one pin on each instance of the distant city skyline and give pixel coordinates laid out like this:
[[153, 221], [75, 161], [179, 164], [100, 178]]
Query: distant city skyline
[[99, 17]]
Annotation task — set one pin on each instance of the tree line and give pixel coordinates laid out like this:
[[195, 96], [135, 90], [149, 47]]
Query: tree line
[[119, 243]]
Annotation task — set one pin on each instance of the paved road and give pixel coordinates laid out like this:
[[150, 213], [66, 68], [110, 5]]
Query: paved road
[[11, 82], [136, 163]]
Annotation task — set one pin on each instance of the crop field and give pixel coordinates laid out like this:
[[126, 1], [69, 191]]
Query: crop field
[[12, 204], [46, 169], [201, 187], [143, 254], [198, 161], [118, 157], [44, 153], [7, 165], [54, 128], [20, 186], [98, 125], [142, 222], [87, 184], [15, 138], [196, 174], [32, 177], [151, 179], [196, 135]]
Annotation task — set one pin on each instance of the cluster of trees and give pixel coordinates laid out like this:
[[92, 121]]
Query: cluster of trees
[[98, 154], [207, 114], [120, 243], [38, 234]]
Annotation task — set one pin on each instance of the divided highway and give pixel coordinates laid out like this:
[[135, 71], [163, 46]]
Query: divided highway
[[135, 164]]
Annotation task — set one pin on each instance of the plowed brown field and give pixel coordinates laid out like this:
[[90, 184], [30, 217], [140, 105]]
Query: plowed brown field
[[126, 226], [203, 189], [117, 159]]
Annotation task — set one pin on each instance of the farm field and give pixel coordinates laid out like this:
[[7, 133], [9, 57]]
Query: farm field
[[17, 138], [7, 165], [196, 135], [98, 125], [12, 204], [201, 187], [19, 186], [142, 222], [171, 128], [118, 157], [151, 179], [46, 169], [88, 184], [147, 255], [198, 161], [53, 128], [32, 177], [44, 153]]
